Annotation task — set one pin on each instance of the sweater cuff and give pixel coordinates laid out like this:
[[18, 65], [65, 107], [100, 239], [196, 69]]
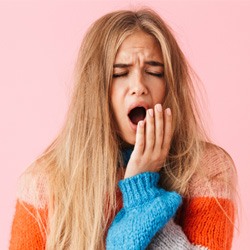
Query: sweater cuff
[[139, 189]]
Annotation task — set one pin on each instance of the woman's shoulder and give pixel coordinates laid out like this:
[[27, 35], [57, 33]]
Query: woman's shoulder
[[216, 161], [33, 186], [215, 175]]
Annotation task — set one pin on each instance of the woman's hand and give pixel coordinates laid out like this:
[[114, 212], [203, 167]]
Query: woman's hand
[[153, 139]]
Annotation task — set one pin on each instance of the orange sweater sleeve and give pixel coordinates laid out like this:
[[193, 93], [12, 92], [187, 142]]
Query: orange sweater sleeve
[[26, 234], [208, 216], [29, 224], [206, 224]]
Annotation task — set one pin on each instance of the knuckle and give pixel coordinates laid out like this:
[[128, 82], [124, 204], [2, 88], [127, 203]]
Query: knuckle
[[140, 143]]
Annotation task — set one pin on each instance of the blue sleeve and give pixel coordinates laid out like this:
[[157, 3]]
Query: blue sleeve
[[146, 209]]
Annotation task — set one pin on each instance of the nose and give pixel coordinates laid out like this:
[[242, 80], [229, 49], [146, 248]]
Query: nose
[[138, 86]]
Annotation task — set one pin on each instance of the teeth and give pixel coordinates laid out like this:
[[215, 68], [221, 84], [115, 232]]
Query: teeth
[[137, 114]]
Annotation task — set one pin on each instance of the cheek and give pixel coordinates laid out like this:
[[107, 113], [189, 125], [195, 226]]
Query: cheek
[[159, 93], [115, 101], [117, 95], [163, 93]]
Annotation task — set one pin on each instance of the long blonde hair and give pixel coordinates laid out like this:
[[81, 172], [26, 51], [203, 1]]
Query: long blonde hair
[[81, 164]]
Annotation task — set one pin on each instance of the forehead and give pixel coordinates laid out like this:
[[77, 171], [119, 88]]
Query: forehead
[[139, 43]]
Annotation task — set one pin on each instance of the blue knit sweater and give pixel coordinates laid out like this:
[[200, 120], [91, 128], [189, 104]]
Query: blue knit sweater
[[146, 209]]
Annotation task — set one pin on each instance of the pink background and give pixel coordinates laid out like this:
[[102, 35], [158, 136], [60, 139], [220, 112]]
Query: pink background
[[38, 46]]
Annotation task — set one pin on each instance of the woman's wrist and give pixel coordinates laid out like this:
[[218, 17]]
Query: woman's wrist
[[139, 189]]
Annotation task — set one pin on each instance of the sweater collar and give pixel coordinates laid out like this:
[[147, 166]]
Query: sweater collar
[[126, 153]]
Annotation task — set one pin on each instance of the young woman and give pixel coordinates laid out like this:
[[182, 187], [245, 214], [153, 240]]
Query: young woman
[[132, 167]]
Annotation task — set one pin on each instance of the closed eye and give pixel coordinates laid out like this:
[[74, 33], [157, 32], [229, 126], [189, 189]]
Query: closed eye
[[120, 75], [160, 75]]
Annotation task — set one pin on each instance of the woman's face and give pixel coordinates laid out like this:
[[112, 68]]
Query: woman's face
[[138, 82]]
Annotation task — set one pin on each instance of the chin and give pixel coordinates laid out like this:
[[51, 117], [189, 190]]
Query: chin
[[129, 140]]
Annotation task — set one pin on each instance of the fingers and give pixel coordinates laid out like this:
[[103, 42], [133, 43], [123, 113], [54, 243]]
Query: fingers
[[139, 138], [150, 130], [167, 130], [153, 135], [159, 130], [152, 142]]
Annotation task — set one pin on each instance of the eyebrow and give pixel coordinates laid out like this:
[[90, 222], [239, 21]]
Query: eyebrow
[[154, 63], [151, 63]]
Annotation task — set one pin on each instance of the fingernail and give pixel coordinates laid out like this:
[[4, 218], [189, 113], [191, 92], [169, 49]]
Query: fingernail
[[159, 107], [151, 113], [141, 123], [168, 111]]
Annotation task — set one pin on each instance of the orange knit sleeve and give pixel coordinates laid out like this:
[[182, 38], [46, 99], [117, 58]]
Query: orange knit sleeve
[[27, 232], [30, 218], [208, 216], [206, 224]]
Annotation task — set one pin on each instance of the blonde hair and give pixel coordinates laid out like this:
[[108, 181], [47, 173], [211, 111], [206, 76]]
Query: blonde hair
[[81, 164]]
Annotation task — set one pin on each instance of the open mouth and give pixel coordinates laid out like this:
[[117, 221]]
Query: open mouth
[[137, 114]]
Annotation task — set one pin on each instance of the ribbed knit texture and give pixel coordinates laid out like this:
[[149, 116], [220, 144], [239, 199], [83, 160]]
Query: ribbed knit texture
[[147, 208], [172, 237], [26, 233], [201, 222]]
